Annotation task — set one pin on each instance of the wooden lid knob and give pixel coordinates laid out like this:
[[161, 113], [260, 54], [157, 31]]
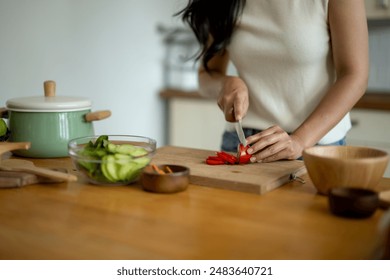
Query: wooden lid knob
[[49, 88]]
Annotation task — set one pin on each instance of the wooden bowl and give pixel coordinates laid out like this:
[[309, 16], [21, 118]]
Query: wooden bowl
[[353, 202], [345, 166], [173, 182]]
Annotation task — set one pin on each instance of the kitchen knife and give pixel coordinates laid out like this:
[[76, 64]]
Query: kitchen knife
[[240, 133]]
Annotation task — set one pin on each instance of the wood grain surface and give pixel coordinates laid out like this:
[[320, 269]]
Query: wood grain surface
[[76, 220]]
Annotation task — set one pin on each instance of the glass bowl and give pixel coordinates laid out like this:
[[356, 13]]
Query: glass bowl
[[111, 159]]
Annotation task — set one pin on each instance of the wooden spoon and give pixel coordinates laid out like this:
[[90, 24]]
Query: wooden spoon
[[28, 166], [11, 146]]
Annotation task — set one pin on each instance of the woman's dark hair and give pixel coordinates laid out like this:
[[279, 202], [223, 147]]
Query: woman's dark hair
[[215, 19]]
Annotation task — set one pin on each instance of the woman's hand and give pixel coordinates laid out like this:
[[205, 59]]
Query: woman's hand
[[233, 98], [274, 144]]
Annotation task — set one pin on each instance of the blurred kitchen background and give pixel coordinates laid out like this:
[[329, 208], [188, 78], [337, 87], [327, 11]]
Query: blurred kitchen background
[[110, 51], [133, 57]]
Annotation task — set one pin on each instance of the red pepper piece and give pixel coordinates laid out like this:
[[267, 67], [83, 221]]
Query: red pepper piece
[[242, 154], [215, 158], [214, 161], [227, 157], [244, 159]]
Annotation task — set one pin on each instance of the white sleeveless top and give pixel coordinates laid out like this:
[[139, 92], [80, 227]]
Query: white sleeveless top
[[281, 49]]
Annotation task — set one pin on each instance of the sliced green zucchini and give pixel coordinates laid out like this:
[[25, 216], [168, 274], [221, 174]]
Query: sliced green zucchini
[[125, 149], [109, 168], [138, 152], [111, 147]]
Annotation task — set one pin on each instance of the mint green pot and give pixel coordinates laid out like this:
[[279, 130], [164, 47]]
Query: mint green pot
[[49, 122], [48, 132]]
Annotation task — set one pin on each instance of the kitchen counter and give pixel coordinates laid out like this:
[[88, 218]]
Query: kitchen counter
[[76, 220]]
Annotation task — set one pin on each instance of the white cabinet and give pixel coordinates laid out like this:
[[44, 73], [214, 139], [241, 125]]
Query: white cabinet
[[377, 9], [370, 128], [195, 123]]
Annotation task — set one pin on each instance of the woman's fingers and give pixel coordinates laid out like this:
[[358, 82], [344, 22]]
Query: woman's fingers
[[273, 144], [240, 105], [264, 138]]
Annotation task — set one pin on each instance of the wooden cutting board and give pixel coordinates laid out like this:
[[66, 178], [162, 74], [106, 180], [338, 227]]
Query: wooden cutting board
[[11, 179], [15, 179], [256, 178]]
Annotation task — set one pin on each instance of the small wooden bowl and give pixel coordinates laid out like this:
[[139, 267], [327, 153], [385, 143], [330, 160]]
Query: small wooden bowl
[[345, 166], [353, 202], [176, 181]]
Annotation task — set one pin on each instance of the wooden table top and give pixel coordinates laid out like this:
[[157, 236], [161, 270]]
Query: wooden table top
[[81, 221]]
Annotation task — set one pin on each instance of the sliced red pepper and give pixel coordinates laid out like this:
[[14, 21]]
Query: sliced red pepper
[[214, 161], [242, 154], [215, 158], [244, 159], [227, 157]]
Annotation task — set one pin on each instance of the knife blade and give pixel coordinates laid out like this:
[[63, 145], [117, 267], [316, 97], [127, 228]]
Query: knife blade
[[240, 133]]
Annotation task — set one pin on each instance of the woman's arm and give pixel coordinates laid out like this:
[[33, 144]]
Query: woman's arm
[[230, 91], [349, 39]]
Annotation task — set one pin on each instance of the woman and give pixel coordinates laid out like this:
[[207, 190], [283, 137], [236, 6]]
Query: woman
[[302, 65]]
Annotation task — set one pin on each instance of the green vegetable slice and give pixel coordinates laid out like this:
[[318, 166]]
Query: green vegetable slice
[[109, 168], [142, 162], [111, 147], [4, 131], [125, 149], [139, 152], [126, 170], [3, 127]]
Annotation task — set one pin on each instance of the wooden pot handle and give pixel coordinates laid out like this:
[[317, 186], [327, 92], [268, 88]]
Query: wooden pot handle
[[98, 115], [49, 88]]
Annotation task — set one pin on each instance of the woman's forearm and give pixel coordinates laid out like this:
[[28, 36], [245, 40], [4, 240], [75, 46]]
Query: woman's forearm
[[339, 100], [210, 83]]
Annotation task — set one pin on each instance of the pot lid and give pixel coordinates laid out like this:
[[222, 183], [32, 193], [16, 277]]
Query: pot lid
[[49, 102]]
